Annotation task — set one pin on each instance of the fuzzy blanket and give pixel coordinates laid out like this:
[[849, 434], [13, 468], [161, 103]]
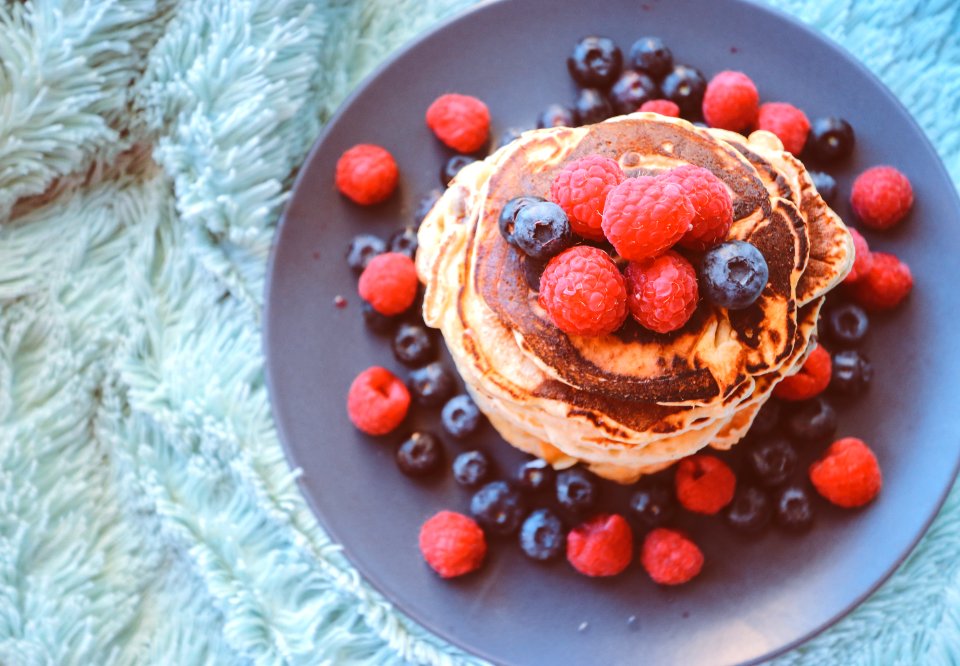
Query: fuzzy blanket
[[147, 513]]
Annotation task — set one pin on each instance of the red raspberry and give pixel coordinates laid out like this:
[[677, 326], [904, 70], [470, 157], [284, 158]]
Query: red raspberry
[[881, 197], [452, 544], [661, 292], [848, 474], [583, 292], [730, 101], [669, 557], [602, 546], [884, 287], [713, 208], [704, 484], [789, 123], [812, 379], [662, 106], [460, 121], [581, 189], [863, 258], [389, 283], [645, 216], [377, 401], [367, 174]]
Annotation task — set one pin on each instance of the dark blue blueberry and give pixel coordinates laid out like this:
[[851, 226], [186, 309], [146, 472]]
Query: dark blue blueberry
[[826, 185], [362, 249], [508, 215], [542, 230], [425, 205], [471, 468], [413, 345], [852, 373], [404, 241], [460, 416], [576, 489], [509, 135], [772, 461], [831, 139], [794, 508], [733, 274], [498, 507], [654, 505], [767, 418], [631, 90], [533, 271], [378, 323], [592, 106], [420, 455], [847, 324], [684, 86], [812, 421], [650, 55], [431, 385], [595, 62], [535, 475], [452, 167], [750, 510], [557, 115], [542, 536]]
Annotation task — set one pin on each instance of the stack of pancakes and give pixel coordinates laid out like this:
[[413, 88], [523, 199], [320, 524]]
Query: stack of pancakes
[[633, 402]]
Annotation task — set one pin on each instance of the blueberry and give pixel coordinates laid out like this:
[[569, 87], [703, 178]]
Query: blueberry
[[420, 455], [378, 323], [431, 385], [535, 475], [794, 509], [542, 537], [852, 373], [831, 139], [509, 135], [452, 167], [767, 418], [650, 55], [812, 421], [750, 510], [654, 505], [684, 86], [425, 205], [772, 461], [595, 62], [498, 507], [557, 115], [733, 274], [362, 249], [847, 324], [825, 184], [413, 345], [470, 468], [460, 416], [576, 489], [541, 230], [404, 241], [631, 90], [533, 271], [508, 215], [592, 106]]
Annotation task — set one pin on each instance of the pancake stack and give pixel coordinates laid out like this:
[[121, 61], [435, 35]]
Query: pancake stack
[[633, 402]]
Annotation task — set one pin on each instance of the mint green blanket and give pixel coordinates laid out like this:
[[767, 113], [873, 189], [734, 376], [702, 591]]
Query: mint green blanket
[[147, 514]]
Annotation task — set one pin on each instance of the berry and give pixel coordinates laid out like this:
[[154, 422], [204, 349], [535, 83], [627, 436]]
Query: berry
[[413, 345], [669, 557], [730, 101], [772, 462], [826, 185], [452, 544], [881, 196], [431, 385], [592, 106], [362, 249], [541, 230], [452, 167], [847, 324], [532, 272], [535, 475], [831, 139], [712, 206], [863, 258], [848, 475], [650, 55], [814, 421], [509, 135], [602, 546], [767, 418], [366, 174], [583, 292], [733, 274], [576, 490], [389, 283], [556, 115], [471, 468], [685, 86], [581, 188], [542, 536], [653, 505], [460, 416], [812, 378], [498, 507], [420, 455], [645, 216], [376, 322], [460, 121], [377, 401], [662, 106], [885, 286], [508, 215], [794, 509], [595, 62], [852, 373], [425, 205], [704, 484], [404, 241], [631, 90], [789, 123], [661, 292], [750, 510]]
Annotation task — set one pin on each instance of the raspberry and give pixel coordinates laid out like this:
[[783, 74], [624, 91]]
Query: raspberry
[[389, 283], [713, 208], [662, 106], [377, 401], [460, 121], [645, 216], [730, 101], [452, 544], [581, 190], [789, 123], [881, 197], [812, 379], [602, 546], [704, 484], [848, 474], [583, 292], [662, 292], [367, 174], [863, 258], [670, 557], [888, 282]]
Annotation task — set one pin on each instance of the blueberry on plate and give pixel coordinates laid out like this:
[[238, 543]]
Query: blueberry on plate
[[452, 167], [471, 468], [649, 54], [852, 373], [654, 505], [413, 345], [826, 185], [592, 106], [508, 215], [509, 135], [772, 461], [733, 274], [404, 241], [380, 324], [542, 536], [498, 507], [631, 90], [831, 139], [460, 416], [541, 230], [766, 420], [595, 62], [362, 249], [535, 475], [425, 205], [431, 385], [532, 272], [847, 324], [812, 421], [794, 508], [684, 86], [420, 455], [557, 115], [576, 489], [750, 510]]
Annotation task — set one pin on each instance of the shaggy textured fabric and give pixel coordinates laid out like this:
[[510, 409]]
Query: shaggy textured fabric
[[147, 514]]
